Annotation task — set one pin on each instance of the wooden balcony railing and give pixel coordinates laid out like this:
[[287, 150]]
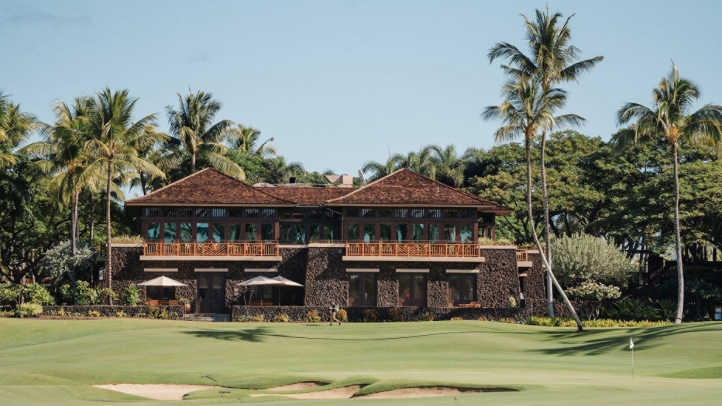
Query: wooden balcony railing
[[521, 255], [196, 249], [412, 249]]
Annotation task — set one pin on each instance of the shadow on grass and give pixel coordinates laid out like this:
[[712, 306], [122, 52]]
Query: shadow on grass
[[644, 339], [258, 334]]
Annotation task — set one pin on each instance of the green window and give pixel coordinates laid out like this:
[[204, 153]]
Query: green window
[[352, 230], [466, 232], [251, 232], [401, 232], [201, 232], [234, 232], [417, 232], [285, 230], [154, 231], [434, 233], [169, 233], [267, 232], [385, 230], [186, 232], [369, 232], [219, 232], [300, 234], [450, 232]]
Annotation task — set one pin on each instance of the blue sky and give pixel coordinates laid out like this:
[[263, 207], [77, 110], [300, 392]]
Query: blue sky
[[340, 83]]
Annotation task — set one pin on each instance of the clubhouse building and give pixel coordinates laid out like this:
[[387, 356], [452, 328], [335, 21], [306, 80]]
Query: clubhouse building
[[404, 241]]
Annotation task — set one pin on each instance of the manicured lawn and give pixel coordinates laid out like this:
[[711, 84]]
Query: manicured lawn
[[55, 362]]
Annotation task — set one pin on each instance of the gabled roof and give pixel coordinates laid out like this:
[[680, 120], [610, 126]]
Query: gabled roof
[[306, 196], [406, 187], [208, 187]]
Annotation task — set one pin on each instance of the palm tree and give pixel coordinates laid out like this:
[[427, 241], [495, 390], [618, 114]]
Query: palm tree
[[246, 139], [420, 162], [15, 126], [277, 171], [194, 132], [555, 60], [112, 144], [449, 167], [379, 170], [669, 120], [527, 110]]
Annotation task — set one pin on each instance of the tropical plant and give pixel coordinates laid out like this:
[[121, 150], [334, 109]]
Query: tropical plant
[[194, 133], [448, 165], [132, 295], [313, 317], [113, 143], [554, 60], [29, 309], [593, 295], [670, 120], [59, 260], [584, 258], [421, 162], [632, 308], [15, 127], [526, 110], [277, 171], [378, 169], [246, 140]]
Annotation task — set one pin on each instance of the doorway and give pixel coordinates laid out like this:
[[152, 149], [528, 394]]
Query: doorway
[[211, 292]]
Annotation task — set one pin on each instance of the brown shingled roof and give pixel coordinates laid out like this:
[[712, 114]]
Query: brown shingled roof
[[406, 187], [208, 187], [306, 196]]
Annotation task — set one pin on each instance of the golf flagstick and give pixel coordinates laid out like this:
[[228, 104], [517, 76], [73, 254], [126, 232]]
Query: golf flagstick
[[631, 347]]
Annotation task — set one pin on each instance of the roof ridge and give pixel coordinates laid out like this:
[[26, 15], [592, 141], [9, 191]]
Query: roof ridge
[[372, 183], [173, 183]]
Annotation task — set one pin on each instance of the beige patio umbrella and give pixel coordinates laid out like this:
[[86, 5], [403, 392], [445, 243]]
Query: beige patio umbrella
[[162, 281], [286, 282], [259, 281]]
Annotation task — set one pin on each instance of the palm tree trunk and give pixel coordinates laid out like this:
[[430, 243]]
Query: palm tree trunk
[[142, 182], [73, 237], [193, 162], [547, 232], [108, 256], [91, 226], [680, 273], [550, 274]]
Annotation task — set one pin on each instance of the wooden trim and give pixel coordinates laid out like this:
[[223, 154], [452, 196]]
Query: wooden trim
[[412, 249], [208, 249], [203, 270], [412, 270], [209, 258], [362, 270], [260, 270], [462, 271], [164, 270], [414, 259]]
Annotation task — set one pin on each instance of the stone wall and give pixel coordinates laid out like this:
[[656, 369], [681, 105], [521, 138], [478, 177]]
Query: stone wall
[[498, 278], [325, 277], [174, 312], [534, 283]]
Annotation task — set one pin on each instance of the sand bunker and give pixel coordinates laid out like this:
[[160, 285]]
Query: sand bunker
[[297, 386], [338, 393], [419, 392], [157, 392]]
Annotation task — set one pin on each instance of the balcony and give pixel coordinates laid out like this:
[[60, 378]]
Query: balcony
[[522, 259], [227, 251], [413, 251]]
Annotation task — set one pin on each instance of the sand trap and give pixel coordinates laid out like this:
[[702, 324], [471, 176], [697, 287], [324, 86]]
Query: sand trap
[[157, 392], [339, 393], [419, 392], [297, 386]]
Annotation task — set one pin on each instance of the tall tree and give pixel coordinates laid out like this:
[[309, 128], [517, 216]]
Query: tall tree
[[380, 169], [194, 132], [15, 127], [555, 60], [113, 142], [670, 119], [449, 166], [247, 140], [527, 110]]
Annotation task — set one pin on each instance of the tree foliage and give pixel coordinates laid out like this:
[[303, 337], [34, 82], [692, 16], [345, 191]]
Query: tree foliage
[[584, 258]]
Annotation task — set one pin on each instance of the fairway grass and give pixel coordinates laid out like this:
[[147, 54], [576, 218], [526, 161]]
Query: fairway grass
[[56, 362]]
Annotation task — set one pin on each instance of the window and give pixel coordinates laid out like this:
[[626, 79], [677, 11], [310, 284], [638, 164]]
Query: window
[[401, 213], [251, 232], [285, 213], [315, 232], [152, 212], [462, 288], [168, 212], [285, 230], [401, 232], [450, 232], [184, 212], [466, 231], [300, 234], [451, 214], [417, 213], [203, 212], [267, 232], [385, 212], [169, 233], [316, 214], [154, 231], [385, 230], [466, 214], [219, 212], [252, 213], [234, 232], [487, 218], [201, 232], [412, 289], [417, 232], [352, 212], [328, 233], [367, 213], [434, 233], [352, 231], [186, 232], [268, 213], [235, 212], [434, 214], [362, 289], [299, 214], [219, 232], [369, 232]]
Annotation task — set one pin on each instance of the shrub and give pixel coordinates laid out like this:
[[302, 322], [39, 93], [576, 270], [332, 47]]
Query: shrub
[[243, 318], [426, 316], [93, 313], [512, 301], [85, 294], [668, 308], [258, 318], [342, 315], [153, 312], [132, 295], [7, 313], [395, 314], [29, 309], [33, 293], [593, 295], [498, 241], [563, 322], [369, 315], [281, 318], [120, 314], [482, 318], [586, 258], [127, 239], [9, 293], [313, 317], [632, 309], [457, 318], [58, 261]]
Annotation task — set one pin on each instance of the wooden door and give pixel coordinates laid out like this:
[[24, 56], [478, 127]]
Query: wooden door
[[211, 292]]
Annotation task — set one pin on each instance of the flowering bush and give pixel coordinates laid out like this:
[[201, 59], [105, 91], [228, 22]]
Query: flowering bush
[[592, 296], [313, 317], [369, 315], [342, 315], [395, 314]]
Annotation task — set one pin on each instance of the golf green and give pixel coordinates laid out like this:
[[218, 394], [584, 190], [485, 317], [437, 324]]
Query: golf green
[[56, 362]]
